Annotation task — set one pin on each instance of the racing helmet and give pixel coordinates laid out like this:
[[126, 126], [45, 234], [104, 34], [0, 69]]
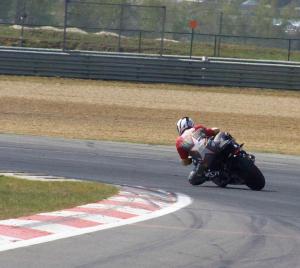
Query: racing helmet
[[183, 124]]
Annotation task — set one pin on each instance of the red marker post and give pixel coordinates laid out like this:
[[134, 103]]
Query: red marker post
[[193, 24]]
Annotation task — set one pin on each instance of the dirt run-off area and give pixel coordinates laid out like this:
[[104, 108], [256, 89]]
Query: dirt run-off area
[[265, 120]]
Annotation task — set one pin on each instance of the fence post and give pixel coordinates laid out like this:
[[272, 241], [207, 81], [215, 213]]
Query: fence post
[[163, 30], [140, 41], [120, 26], [192, 41], [220, 32], [22, 32], [22, 18], [215, 46], [289, 49], [65, 25]]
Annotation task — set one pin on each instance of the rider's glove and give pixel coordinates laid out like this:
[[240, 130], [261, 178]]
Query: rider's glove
[[186, 161], [215, 130]]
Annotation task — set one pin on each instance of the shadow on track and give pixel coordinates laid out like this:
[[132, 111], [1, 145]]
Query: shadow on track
[[235, 188]]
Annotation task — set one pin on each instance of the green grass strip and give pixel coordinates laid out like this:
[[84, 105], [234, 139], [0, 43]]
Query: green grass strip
[[39, 38], [20, 197]]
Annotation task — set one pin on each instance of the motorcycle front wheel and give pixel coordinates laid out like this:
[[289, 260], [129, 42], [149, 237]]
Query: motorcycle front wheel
[[251, 174]]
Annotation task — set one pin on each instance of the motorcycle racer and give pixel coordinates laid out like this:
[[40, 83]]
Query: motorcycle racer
[[191, 138]]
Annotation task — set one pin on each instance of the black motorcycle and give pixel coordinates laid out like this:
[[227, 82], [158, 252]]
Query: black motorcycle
[[230, 164]]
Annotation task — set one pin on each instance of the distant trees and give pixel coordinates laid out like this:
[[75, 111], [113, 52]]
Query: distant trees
[[91, 16], [43, 12], [7, 10]]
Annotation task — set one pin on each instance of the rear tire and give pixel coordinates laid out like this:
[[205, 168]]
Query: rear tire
[[219, 182]]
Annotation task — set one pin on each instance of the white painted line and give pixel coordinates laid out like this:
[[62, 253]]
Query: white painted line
[[182, 201], [55, 228], [5, 239], [125, 199], [35, 178], [63, 213], [101, 219], [82, 215], [126, 209], [18, 222], [131, 205]]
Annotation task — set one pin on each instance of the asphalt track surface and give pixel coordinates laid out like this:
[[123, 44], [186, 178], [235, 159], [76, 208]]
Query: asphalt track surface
[[232, 227]]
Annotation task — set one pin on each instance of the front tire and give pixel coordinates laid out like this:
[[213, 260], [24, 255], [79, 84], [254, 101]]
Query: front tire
[[250, 173], [255, 179]]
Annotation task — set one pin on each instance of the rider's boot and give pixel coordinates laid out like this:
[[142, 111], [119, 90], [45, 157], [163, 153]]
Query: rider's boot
[[196, 176]]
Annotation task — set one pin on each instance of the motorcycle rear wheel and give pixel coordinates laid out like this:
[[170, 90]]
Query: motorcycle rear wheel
[[221, 184]]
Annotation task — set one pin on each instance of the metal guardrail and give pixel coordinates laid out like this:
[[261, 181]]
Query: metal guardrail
[[146, 68]]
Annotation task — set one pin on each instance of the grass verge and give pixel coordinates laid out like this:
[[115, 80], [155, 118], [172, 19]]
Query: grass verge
[[20, 197], [39, 38]]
